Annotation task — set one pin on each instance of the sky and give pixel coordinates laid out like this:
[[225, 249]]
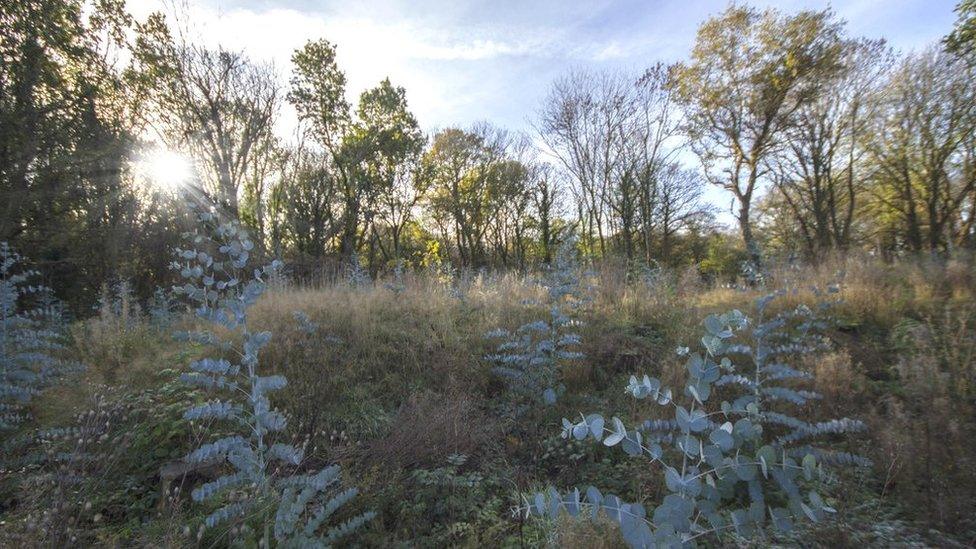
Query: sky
[[465, 61]]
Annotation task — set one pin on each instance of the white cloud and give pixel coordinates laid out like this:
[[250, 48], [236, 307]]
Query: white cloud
[[420, 57], [613, 50]]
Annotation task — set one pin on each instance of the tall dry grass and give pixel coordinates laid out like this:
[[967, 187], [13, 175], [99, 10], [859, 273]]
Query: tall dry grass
[[394, 376]]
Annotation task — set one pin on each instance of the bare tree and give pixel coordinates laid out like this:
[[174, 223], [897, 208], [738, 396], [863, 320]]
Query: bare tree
[[650, 144], [921, 149], [216, 103], [613, 135], [583, 122], [818, 170], [680, 204]]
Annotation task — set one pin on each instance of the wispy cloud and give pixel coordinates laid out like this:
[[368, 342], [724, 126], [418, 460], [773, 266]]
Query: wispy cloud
[[453, 55], [448, 67]]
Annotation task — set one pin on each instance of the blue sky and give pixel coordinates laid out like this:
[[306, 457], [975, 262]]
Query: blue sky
[[464, 61]]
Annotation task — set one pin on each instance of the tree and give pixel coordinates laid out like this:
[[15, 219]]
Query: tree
[[393, 141], [464, 186], [305, 203], [679, 205], [749, 73], [317, 92], [819, 169], [66, 133], [545, 196], [510, 182], [258, 182], [583, 122], [216, 103], [649, 143], [962, 39], [615, 137], [921, 151]]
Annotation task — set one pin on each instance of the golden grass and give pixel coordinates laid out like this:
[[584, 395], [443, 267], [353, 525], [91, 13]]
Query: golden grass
[[427, 338], [403, 355]]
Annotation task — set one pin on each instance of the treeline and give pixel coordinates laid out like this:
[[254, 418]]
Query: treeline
[[825, 141]]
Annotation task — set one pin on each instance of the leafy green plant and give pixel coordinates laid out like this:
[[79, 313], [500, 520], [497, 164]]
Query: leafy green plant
[[222, 288], [454, 504], [530, 358], [739, 466], [30, 340], [99, 470]]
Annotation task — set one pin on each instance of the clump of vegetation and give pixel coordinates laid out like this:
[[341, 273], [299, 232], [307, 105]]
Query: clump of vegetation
[[738, 467], [31, 340], [530, 357], [79, 481], [406, 388], [356, 275], [218, 281]]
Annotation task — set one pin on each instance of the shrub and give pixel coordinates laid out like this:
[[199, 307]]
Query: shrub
[[735, 474], [223, 289], [112, 339], [530, 358], [453, 505], [30, 340], [118, 301], [356, 274], [80, 481], [162, 308], [924, 434]]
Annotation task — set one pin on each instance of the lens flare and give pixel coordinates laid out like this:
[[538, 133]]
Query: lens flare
[[164, 169]]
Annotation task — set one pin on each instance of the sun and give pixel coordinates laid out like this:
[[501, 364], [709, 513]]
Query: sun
[[164, 169]]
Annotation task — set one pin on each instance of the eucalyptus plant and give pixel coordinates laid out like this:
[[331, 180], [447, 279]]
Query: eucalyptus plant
[[531, 357], [739, 466], [222, 287], [162, 308], [356, 274], [31, 331]]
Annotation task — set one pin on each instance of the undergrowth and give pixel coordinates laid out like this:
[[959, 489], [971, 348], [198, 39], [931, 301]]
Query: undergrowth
[[390, 381]]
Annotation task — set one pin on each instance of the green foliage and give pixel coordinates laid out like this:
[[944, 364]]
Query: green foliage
[[723, 259], [749, 73], [222, 288], [455, 504], [318, 90], [64, 139], [962, 39], [741, 467], [98, 471]]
